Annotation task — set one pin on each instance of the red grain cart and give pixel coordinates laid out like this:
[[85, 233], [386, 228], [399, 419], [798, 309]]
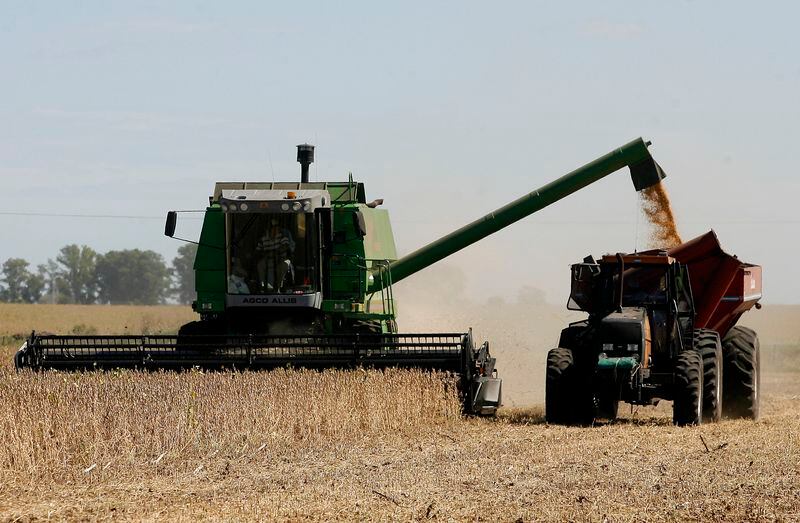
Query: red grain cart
[[723, 286], [661, 325]]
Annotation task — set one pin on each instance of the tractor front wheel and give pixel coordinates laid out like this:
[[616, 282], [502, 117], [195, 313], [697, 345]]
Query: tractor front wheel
[[568, 393]]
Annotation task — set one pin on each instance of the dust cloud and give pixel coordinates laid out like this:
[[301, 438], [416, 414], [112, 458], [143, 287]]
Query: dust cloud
[[520, 328], [658, 212]]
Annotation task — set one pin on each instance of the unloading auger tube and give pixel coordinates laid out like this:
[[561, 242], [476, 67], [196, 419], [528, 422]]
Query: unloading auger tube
[[454, 353], [645, 172]]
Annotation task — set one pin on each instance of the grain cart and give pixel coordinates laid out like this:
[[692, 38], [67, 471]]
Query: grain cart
[[301, 274], [661, 325]]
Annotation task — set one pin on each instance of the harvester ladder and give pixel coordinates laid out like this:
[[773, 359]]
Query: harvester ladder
[[384, 274]]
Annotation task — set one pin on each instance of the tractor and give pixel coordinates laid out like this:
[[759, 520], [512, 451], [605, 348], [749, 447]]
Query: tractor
[[661, 325]]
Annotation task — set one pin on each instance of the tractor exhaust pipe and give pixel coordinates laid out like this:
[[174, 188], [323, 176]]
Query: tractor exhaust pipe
[[305, 155]]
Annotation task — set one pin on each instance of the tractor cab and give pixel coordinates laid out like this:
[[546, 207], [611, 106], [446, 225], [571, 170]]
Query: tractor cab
[[641, 303], [273, 241], [653, 333]]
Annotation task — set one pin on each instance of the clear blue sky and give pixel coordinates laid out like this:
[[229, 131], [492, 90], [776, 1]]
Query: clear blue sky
[[447, 110]]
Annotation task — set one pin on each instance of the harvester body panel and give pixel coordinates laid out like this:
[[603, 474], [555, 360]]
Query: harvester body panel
[[209, 263]]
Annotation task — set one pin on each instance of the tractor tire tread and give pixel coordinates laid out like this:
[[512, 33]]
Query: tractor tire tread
[[557, 385], [568, 397], [688, 397], [708, 345], [741, 356]]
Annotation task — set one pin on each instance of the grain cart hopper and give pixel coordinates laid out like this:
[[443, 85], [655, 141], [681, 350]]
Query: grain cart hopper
[[301, 274], [661, 325]]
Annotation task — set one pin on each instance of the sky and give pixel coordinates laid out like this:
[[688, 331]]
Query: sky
[[446, 110]]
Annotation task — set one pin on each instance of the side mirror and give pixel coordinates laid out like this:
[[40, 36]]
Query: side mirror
[[169, 227]]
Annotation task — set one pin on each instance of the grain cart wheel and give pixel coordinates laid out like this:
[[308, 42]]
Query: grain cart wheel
[[707, 344], [568, 394], [742, 363], [687, 407]]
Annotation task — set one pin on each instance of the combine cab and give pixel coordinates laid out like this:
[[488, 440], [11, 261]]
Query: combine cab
[[661, 325], [300, 274]]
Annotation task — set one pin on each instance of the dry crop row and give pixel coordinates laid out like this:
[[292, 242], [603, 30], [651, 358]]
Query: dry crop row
[[59, 427]]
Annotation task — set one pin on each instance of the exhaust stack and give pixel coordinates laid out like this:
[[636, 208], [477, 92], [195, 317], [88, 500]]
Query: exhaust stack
[[305, 155]]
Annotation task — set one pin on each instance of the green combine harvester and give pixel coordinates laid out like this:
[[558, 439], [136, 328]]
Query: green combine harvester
[[295, 274]]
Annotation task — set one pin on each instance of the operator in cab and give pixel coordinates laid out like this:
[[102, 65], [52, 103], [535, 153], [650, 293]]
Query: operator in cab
[[237, 282], [275, 249]]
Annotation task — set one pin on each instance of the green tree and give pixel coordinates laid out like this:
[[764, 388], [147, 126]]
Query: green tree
[[20, 284], [56, 290], [133, 277], [78, 272], [15, 274], [183, 273], [34, 285]]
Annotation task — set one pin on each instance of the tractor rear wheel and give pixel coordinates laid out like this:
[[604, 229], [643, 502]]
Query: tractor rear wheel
[[687, 407], [707, 344], [742, 362], [568, 393]]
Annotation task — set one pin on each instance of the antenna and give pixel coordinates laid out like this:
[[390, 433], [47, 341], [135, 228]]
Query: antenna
[[636, 230], [271, 168]]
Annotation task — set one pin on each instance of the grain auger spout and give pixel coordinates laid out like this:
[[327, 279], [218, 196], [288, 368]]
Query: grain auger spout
[[644, 170]]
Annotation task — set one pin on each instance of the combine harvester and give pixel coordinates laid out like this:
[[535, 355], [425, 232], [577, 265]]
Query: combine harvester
[[661, 325], [300, 274]]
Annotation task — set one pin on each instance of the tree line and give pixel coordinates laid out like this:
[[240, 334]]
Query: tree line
[[81, 275]]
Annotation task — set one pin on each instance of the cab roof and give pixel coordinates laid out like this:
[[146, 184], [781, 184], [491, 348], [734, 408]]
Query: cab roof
[[639, 259], [340, 192]]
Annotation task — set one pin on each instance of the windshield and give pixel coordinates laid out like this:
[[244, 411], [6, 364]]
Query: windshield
[[643, 286], [271, 253]]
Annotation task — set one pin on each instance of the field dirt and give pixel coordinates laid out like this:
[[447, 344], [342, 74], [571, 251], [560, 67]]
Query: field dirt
[[368, 445]]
